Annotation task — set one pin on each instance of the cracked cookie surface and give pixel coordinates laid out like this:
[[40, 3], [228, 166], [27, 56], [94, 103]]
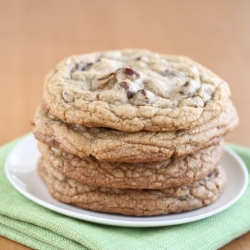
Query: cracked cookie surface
[[131, 201], [132, 90], [112, 145], [148, 175]]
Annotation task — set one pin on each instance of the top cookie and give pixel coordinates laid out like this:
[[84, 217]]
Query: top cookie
[[132, 90]]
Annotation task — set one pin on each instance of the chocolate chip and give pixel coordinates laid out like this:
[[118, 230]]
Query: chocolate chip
[[83, 66], [144, 92], [211, 174], [185, 198], [54, 143], [129, 94], [128, 72], [180, 132], [183, 90], [77, 66], [124, 85]]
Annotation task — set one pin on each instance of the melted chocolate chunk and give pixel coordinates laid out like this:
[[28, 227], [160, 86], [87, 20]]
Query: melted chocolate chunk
[[144, 92], [129, 94], [124, 85], [128, 72]]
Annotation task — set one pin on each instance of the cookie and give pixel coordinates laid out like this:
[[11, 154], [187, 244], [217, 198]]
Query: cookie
[[132, 201], [112, 145], [133, 90], [148, 175]]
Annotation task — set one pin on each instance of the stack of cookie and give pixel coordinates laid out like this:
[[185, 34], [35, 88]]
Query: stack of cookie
[[133, 132]]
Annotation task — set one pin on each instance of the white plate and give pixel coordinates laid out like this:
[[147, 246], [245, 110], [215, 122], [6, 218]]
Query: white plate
[[20, 168]]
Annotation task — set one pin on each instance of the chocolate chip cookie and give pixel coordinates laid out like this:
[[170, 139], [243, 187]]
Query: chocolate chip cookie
[[176, 171], [133, 132], [133, 90], [132, 201], [112, 145]]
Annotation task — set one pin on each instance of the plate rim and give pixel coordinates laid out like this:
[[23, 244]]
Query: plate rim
[[124, 223]]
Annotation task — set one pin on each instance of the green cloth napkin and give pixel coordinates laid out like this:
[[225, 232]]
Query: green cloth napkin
[[37, 227]]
